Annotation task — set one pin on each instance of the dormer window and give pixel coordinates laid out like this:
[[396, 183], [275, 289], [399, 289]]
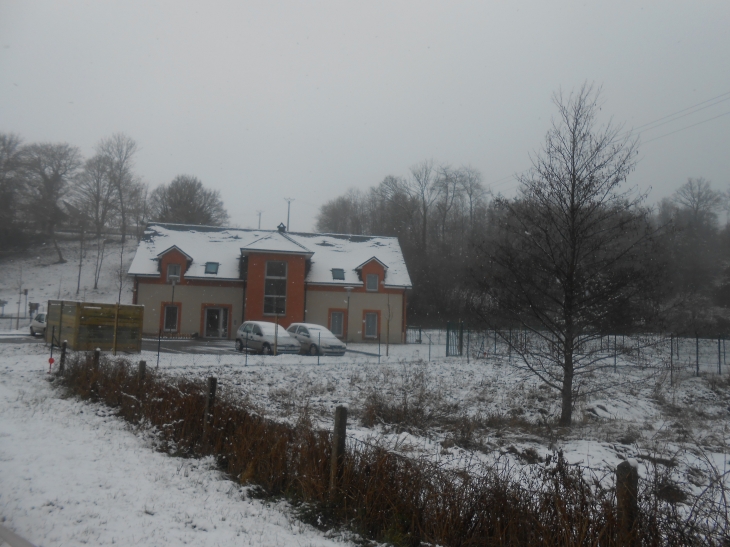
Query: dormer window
[[338, 274], [173, 271], [371, 282], [211, 268]]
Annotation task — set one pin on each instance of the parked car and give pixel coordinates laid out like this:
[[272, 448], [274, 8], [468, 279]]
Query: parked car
[[316, 340], [263, 337], [38, 325]]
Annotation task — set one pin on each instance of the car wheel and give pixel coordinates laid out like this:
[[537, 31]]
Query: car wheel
[[266, 350], [239, 345], [313, 350]]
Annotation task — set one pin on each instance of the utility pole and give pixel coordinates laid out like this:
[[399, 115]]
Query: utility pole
[[259, 213], [81, 256], [288, 208], [20, 298]]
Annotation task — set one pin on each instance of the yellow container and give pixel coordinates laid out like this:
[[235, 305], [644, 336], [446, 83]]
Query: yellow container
[[90, 325]]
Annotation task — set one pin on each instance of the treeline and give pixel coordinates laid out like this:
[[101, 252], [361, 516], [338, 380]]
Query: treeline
[[446, 219], [46, 187], [437, 212]]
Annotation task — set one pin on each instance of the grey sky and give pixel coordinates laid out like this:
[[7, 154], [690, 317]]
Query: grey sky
[[266, 100]]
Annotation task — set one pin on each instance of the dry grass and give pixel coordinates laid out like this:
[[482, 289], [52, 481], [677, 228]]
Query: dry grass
[[382, 496]]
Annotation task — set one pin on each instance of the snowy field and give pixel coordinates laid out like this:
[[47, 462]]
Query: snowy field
[[71, 473]]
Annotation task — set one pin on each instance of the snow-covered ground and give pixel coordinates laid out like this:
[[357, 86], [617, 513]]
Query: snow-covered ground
[[38, 271], [73, 474], [487, 410]]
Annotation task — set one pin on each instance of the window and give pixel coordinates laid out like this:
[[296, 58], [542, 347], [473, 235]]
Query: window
[[337, 321], [371, 325], [173, 270], [338, 274], [275, 288], [211, 267], [371, 282], [170, 319]]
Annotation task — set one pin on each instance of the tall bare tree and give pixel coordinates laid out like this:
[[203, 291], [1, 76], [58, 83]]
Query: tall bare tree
[[422, 188], [448, 189], [697, 196], [119, 151], [95, 194], [473, 189], [568, 258]]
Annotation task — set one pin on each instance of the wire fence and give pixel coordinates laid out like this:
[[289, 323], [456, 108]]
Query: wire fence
[[678, 356]]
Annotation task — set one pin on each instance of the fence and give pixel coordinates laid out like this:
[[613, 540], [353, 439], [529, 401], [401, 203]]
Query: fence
[[678, 354]]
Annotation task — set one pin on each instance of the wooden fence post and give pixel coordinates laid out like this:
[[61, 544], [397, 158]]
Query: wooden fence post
[[697, 353], [338, 449], [142, 371], [627, 487], [62, 361], [97, 354]]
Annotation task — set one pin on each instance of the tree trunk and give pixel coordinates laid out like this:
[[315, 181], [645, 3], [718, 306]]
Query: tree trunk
[[566, 414], [61, 260]]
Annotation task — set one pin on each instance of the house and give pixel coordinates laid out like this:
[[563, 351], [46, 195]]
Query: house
[[205, 281]]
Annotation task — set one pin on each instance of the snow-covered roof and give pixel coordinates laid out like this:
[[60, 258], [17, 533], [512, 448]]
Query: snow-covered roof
[[349, 253], [226, 245]]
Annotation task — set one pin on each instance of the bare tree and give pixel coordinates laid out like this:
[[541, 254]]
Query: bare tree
[[472, 188], [95, 194], [48, 169], [697, 196], [139, 207], [568, 260], [119, 151], [448, 189], [186, 201], [421, 187]]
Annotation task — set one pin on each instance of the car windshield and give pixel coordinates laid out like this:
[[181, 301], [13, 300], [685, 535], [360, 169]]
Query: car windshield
[[268, 329], [41, 317]]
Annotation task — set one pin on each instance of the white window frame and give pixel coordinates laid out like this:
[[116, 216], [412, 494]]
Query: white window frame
[[173, 269], [368, 279], [275, 277]]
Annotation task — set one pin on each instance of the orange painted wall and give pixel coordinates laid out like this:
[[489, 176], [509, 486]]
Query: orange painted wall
[[294, 288], [373, 267]]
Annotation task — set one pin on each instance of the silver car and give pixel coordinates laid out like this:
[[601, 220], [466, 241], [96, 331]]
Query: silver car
[[264, 337], [316, 340], [38, 325]]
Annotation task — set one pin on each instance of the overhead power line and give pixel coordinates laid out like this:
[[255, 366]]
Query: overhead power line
[[726, 95], [687, 127], [649, 126]]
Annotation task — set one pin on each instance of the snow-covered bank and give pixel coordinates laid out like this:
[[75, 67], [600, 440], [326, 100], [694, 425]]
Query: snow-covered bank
[[73, 474]]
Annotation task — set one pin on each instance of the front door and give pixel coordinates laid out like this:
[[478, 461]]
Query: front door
[[216, 323]]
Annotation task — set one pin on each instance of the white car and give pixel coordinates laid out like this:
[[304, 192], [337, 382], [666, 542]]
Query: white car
[[264, 337], [316, 340], [38, 325]]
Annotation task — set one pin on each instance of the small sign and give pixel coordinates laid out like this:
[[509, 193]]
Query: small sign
[[51, 360]]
